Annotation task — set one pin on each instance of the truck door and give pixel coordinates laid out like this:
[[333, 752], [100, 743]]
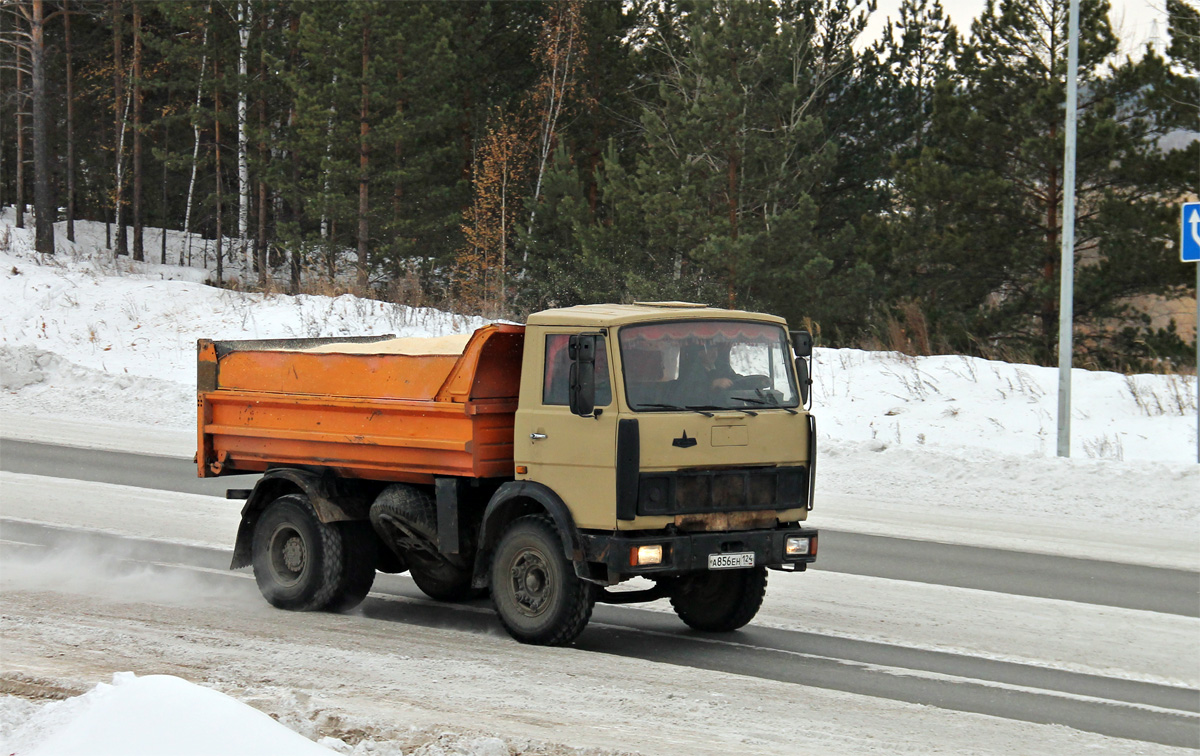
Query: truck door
[[574, 456]]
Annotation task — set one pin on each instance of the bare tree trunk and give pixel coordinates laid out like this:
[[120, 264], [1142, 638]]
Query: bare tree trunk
[[244, 21], [164, 215], [187, 213], [44, 207], [364, 131], [328, 152], [119, 109], [398, 188], [139, 251], [260, 243], [4, 138], [20, 142], [294, 212], [70, 132], [560, 43], [217, 149], [501, 297]]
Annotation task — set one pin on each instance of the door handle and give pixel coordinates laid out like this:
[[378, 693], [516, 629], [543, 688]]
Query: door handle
[[537, 436]]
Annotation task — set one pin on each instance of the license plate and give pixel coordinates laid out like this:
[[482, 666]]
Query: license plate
[[730, 561]]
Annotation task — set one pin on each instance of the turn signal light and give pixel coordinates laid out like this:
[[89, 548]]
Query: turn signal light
[[522, 470], [643, 555]]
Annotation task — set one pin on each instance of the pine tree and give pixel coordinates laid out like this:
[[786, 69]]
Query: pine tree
[[985, 196], [28, 36], [736, 147]]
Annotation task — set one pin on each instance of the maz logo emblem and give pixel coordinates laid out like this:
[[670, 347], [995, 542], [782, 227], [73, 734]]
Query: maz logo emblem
[[683, 442]]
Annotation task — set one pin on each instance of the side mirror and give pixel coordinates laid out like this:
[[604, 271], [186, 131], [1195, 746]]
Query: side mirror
[[582, 351], [802, 342], [803, 378]]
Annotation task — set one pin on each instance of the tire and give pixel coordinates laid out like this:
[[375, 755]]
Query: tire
[[720, 602], [406, 520], [535, 590], [440, 580], [387, 560], [298, 560], [359, 547]]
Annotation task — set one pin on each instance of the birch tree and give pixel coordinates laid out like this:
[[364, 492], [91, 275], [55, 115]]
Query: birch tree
[[120, 116], [195, 117], [70, 129], [245, 15], [560, 54], [364, 157], [139, 252]]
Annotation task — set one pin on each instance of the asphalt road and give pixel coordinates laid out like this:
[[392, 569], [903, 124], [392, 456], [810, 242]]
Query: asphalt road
[[1115, 707], [1025, 574]]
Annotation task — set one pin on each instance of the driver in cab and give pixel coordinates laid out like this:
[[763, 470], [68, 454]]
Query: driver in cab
[[706, 371]]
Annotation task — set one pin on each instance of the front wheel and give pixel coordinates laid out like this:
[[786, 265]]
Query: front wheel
[[535, 590], [720, 602]]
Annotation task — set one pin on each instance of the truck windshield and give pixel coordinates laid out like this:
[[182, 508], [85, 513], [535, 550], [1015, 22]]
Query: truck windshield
[[707, 365]]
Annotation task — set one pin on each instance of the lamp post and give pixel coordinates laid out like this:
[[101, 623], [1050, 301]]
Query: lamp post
[[1066, 300]]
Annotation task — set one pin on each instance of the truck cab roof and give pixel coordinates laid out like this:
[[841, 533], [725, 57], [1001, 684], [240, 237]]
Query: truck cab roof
[[606, 315]]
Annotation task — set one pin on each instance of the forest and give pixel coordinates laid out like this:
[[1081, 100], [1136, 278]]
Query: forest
[[499, 158]]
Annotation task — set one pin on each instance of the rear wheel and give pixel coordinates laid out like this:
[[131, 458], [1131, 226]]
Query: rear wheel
[[719, 602], [361, 552], [406, 519], [300, 563], [534, 588]]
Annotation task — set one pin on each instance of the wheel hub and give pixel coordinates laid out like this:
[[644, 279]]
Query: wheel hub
[[289, 554], [530, 582], [293, 554]]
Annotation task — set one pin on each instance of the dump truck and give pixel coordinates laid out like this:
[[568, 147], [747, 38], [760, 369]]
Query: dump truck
[[546, 464]]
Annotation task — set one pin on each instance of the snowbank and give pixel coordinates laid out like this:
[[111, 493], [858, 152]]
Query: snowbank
[[163, 714], [153, 714]]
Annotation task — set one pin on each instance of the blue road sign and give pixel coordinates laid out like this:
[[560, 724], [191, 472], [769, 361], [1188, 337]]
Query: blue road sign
[[1189, 234]]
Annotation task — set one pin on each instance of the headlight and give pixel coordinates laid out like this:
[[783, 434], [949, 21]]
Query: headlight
[[643, 555], [797, 546]]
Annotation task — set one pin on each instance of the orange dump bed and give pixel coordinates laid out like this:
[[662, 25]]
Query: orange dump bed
[[375, 408]]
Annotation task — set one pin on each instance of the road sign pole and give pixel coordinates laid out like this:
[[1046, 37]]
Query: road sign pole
[[1066, 299], [1189, 251]]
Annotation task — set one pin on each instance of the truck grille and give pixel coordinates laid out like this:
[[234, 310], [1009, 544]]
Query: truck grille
[[725, 490]]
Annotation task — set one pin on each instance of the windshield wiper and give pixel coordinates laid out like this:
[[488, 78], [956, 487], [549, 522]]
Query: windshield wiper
[[675, 407], [701, 407], [762, 400]]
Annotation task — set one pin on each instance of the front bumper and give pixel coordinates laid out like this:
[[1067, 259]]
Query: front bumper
[[689, 552]]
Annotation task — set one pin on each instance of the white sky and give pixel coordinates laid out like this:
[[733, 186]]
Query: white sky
[[1134, 20]]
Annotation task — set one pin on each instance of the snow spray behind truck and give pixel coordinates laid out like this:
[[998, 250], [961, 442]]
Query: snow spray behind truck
[[544, 463]]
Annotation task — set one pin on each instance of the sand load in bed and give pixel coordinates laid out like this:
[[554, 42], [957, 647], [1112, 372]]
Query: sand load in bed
[[388, 409]]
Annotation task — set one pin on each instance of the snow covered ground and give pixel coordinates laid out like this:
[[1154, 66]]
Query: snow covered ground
[[101, 354], [139, 714]]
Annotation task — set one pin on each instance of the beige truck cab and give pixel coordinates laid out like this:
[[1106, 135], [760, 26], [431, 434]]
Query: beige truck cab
[[676, 437]]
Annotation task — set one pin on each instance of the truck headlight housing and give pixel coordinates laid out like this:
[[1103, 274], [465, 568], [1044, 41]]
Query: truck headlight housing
[[640, 556], [796, 546]]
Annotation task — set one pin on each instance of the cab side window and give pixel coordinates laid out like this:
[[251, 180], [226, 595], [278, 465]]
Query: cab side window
[[556, 380]]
